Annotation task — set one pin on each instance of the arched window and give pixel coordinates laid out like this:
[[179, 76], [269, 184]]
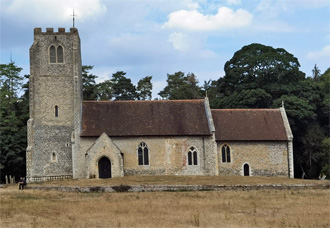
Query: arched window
[[59, 54], [225, 153], [52, 54], [143, 154], [56, 111], [192, 156], [56, 54]]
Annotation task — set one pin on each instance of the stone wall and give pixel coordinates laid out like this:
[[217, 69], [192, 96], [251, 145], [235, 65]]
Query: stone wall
[[263, 158], [167, 155]]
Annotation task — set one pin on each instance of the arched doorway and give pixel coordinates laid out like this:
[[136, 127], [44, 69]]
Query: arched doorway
[[104, 168], [246, 169]]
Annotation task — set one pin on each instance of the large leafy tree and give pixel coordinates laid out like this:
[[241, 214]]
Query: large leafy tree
[[257, 66], [13, 116], [181, 86]]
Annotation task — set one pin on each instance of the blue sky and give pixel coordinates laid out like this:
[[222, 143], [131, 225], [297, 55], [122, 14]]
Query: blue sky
[[157, 37]]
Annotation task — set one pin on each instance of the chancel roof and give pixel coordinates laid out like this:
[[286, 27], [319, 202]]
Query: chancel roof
[[249, 125], [145, 118]]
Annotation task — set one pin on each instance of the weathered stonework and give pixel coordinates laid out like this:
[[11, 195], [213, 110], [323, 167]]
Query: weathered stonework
[[167, 155], [263, 158], [52, 87]]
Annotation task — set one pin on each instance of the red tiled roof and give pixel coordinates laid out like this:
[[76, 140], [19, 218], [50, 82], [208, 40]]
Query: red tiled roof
[[144, 118], [248, 125]]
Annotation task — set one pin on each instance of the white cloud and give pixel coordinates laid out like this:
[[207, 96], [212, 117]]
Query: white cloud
[[180, 41], [190, 45], [324, 53], [234, 2], [193, 20], [47, 11]]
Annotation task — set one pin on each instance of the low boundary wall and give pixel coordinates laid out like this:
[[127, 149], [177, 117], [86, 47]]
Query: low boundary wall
[[174, 188]]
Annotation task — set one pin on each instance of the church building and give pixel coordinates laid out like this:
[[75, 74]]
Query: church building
[[72, 138]]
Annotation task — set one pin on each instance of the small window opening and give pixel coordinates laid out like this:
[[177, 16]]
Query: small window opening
[[56, 111], [53, 157], [192, 156], [143, 154], [225, 153]]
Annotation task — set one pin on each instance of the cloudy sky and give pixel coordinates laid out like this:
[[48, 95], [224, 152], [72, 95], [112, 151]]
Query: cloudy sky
[[156, 37]]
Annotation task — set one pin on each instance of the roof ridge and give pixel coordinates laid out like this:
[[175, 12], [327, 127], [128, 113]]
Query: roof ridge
[[144, 101]]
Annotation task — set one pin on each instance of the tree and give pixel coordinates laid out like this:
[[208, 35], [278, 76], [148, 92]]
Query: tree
[[144, 88], [250, 98], [325, 157], [180, 86], [122, 87], [324, 112], [13, 116], [104, 90], [257, 66], [316, 73], [88, 83]]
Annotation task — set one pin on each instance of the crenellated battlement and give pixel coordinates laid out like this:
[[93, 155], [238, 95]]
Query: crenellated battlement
[[50, 31]]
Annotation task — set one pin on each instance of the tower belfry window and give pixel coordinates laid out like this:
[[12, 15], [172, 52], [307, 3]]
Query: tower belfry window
[[56, 54], [52, 54], [59, 54]]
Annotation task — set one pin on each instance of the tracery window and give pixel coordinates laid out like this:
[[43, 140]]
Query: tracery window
[[225, 153], [143, 154], [56, 54], [192, 156]]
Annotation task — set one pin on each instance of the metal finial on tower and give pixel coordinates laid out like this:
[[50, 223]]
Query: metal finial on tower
[[73, 18]]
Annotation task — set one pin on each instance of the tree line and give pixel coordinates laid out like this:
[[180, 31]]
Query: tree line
[[257, 76]]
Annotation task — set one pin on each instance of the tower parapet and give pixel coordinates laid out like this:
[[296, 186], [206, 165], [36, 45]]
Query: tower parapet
[[50, 31]]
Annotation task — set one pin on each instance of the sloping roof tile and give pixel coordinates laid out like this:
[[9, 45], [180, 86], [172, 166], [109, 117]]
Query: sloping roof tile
[[144, 118], [248, 125]]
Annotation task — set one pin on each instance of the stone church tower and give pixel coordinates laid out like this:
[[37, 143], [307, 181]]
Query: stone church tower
[[55, 104]]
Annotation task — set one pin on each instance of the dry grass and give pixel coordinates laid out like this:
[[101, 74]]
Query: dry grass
[[182, 180], [262, 208]]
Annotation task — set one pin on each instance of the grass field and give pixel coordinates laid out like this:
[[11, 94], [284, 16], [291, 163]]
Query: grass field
[[257, 208]]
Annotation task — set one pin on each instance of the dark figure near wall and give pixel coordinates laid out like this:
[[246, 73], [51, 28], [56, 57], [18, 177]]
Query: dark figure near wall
[[21, 183]]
